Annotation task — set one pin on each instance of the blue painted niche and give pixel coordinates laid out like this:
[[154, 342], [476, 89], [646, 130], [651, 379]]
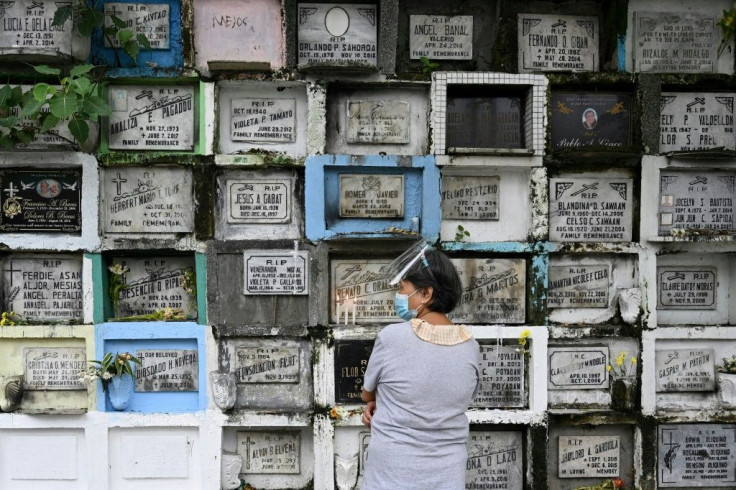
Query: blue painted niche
[[131, 337], [148, 63], [322, 200]]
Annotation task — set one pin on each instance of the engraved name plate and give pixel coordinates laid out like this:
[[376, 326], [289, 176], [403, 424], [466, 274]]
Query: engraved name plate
[[686, 288], [558, 43], [276, 273], [588, 456], [675, 42], [351, 360], [685, 370], [577, 368], [371, 196], [578, 286], [263, 120], [361, 282], [167, 370], [591, 120], [273, 452], [271, 361], [590, 209], [493, 291], [441, 37], [378, 122], [53, 368], [147, 19], [43, 288], [148, 200], [696, 455], [151, 117], [26, 24], [470, 198], [495, 460], [501, 377], [696, 201], [335, 34], [696, 121], [258, 201]]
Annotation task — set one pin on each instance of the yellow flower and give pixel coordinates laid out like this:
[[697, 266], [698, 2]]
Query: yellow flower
[[633, 360], [608, 367], [525, 333]]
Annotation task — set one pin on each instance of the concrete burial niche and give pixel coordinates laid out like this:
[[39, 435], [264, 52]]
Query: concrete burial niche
[[259, 205], [37, 458], [587, 455], [479, 200], [272, 457], [49, 359], [172, 376], [558, 43], [271, 374], [371, 196], [695, 289], [271, 116], [154, 457], [585, 289], [368, 119], [577, 375], [351, 444], [160, 21], [238, 36], [659, 37], [457, 37]]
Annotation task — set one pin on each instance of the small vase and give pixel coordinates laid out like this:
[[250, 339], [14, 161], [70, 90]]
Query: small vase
[[624, 393], [120, 390], [727, 389]]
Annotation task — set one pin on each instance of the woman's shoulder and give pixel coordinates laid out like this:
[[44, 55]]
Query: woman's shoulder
[[394, 329]]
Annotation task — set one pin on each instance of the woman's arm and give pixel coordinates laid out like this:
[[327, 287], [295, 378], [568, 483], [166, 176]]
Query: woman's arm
[[367, 396]]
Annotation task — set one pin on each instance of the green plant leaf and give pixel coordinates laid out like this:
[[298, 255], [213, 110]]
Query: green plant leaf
[[47, 70], [49, 121], [25, 136], [96, 105], [119, 23], [31, 106], [143, 41], [62, 14], [6, 141], [6, 94], [16, 96], [124, 36], [132, 48], [8, 122], [40, 91], [79, 129], [109, 31], [80, 70], [81, 86], [63, 106]]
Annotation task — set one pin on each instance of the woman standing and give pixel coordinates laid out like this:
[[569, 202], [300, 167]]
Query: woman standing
[[419, 382]]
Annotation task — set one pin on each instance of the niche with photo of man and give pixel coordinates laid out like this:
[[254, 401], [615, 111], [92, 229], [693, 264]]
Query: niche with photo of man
[[590, 121]]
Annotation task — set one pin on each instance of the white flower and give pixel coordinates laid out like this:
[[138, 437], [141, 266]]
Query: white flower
[[106, 375], [118, 269]]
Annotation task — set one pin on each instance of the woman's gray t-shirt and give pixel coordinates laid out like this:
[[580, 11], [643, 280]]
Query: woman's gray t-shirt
[[419, 431]]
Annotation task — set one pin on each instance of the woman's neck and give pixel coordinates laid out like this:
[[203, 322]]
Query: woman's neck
[[433, 317]]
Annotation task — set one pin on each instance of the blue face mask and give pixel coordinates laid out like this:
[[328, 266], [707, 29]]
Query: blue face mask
[[401, 305]]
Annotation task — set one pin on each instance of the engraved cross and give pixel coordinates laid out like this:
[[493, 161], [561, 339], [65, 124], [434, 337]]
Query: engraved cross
[[11, 190], [11, 270], [248, 442], [119, 182]]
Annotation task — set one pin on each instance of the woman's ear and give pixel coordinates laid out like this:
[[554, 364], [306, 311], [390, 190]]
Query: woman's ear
[[427, 294]]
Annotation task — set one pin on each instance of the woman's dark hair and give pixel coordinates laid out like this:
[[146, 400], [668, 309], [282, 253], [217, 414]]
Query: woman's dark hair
[[441, 277]]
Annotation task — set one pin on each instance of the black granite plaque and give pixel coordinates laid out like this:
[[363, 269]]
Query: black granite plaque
[[41, 200], [591, 120], [484, 122], [696, 455], [696, 201], [351, 360]]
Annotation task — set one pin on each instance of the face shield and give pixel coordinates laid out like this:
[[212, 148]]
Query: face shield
[[397, 270]]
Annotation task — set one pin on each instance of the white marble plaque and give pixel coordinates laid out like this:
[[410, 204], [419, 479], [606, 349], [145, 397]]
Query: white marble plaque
[[675, 42], [578, 286], [501, 382], [149, 19], [696, 121], [700, 200], [493, 291], [589, 456], [371, 196], [577, 368], [269, 452], [52, 456], [43, 288], [696, 455], [276, 272], [364, 439], [470, 198], [271, 361], [167, 370], [147, 200], [686, 288], [682, 370], [159, 456], [154, 284], [151, 117], [337, 34], [258, 201], [378, 122], [495, 460], [27, 24], [590, 209], [53, 368], [558, 43], [441, 37], [263, 120], [361, 283]]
